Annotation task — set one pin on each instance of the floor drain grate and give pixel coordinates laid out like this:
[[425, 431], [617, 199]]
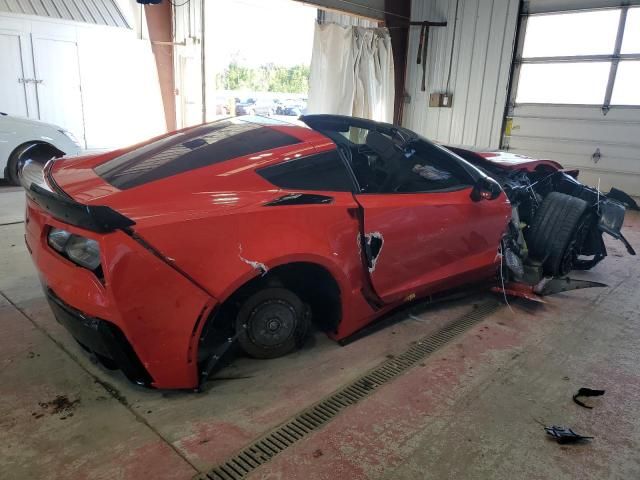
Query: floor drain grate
[[315, 417]]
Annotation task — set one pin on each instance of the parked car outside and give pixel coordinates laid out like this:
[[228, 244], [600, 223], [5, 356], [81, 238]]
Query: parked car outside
[[264, 107], [250, 229], [245, 107], [292, 111], [22, 139]]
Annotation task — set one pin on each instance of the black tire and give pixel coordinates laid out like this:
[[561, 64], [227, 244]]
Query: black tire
[[13, 166], [272, 323], [39, 152], [557, 231]]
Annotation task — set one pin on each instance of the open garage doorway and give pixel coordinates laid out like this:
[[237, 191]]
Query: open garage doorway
[[270, 57], [257, 57]]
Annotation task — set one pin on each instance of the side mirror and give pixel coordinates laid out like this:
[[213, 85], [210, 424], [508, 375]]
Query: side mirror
[[486, 188]]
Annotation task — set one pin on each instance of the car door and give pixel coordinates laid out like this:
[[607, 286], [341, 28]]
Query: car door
[[425, 233]]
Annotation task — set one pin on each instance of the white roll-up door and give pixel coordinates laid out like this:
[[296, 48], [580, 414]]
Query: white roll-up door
[[575, 94]]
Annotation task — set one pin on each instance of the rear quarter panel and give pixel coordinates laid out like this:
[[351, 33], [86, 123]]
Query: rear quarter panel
[[218, 251]]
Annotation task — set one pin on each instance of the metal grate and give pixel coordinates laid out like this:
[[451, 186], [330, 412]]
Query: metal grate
[[316, 416]]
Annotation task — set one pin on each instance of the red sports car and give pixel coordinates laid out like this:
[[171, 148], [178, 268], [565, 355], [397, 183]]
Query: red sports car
[[160, 257]]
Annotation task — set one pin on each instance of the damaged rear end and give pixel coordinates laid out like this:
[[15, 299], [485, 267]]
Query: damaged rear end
[[557, 223]]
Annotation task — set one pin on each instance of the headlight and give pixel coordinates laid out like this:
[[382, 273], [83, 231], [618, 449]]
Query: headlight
[[58, 239], [80, 250], [83, 251]]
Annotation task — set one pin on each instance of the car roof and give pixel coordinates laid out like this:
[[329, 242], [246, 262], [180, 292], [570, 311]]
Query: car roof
[[202, 146]]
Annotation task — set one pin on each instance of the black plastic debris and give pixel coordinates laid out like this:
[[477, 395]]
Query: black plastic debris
[[565, 435], [623, 198], [586, 392]]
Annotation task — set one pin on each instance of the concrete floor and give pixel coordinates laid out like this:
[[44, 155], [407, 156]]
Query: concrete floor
[[471, 410]]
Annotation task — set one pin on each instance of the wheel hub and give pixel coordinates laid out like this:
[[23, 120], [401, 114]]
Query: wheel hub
[[271, 323]]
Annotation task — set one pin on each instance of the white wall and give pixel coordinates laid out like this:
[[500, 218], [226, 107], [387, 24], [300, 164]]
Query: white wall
[[482, 53], [121, 101], [120, 88]]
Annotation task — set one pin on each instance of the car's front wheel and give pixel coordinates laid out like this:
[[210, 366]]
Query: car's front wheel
[[272, 323], [558, 231]]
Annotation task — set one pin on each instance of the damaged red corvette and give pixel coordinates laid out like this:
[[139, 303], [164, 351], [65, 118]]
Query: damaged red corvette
[[161, 257]]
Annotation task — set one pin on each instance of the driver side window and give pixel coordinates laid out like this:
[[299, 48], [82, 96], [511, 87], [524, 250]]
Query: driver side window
[[384, 166], [427, 168]]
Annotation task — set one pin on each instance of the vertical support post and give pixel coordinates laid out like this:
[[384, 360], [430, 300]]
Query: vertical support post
[[399, 11], [616, 59], [159, 22], [202, 61]]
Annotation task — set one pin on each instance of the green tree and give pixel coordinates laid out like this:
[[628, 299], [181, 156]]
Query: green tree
[[265, 78]]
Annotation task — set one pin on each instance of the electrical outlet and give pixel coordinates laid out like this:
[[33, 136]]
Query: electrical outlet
[[440, 100]]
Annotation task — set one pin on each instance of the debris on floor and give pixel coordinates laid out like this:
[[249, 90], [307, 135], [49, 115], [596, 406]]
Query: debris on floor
[[564, 435], [59, 405], [586, 392]]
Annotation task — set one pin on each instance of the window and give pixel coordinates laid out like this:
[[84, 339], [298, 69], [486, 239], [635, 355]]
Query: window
[[563, 82], [426, 168], [631, 39], [570, 34], [626, 91], [573, 58], [195, 148], [324, 172]]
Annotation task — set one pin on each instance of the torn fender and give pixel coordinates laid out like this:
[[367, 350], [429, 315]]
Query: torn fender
[[547, 286]]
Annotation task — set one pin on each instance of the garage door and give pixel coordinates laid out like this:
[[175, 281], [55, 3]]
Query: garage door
[[575, 93]]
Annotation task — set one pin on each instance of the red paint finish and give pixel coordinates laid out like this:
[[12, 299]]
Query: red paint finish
[[433, 240], [515, 161], [521, 290], [211, 224], [158, 317]]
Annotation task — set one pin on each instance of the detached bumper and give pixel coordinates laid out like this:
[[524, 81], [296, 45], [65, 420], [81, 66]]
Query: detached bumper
[[101, 337]]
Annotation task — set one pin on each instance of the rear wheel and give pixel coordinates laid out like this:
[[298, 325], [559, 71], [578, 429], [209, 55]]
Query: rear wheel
[[558, 231], [272, 323]]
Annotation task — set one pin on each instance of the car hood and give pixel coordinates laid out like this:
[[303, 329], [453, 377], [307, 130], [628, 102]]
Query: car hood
[[504, 161], [28, 122], [516, 161]]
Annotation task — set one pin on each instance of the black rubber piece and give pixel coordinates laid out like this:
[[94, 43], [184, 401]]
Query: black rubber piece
[[12, 167], [553, 228], [252, 307]]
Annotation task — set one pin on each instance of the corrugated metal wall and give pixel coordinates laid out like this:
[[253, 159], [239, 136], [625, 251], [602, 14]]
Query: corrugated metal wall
[[99, 12], [479, 77]]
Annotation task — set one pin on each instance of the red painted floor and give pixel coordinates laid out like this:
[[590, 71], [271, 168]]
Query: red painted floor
[[470, 411]]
